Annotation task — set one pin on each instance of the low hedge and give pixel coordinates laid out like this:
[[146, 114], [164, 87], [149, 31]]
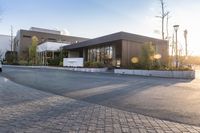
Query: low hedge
[[53, 62], [94, 64]]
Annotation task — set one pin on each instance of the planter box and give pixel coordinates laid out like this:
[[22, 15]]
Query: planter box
[[154, 73]]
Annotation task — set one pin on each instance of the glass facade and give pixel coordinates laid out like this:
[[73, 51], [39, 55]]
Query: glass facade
[[107, 54], [100, 54]]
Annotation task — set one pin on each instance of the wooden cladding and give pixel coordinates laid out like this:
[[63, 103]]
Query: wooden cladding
[[134, 49]]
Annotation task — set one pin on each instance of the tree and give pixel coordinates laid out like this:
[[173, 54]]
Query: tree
[[162, 16], [1, 54], [10, 57], [33, 50], [147, 55]]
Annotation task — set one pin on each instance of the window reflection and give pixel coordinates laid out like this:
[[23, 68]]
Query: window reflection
[[100, 54]]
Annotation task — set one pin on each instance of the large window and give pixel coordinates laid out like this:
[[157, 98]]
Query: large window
[[100, 54], [108, 52]]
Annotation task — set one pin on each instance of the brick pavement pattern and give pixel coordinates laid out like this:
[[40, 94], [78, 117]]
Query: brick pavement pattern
[[26, 110]]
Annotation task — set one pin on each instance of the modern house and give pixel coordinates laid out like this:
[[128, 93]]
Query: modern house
[[23, 39], [116, 49]]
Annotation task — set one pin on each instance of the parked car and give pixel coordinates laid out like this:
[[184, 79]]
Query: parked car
[[0, 66]]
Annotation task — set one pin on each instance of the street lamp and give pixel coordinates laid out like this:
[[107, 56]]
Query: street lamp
[[176, 30], [186, 47]]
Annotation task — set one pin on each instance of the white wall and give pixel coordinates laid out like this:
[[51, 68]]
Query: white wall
[[4, 43], [155, 73], [73, 62]]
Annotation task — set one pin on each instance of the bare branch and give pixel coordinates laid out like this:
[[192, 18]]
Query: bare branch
[[158, 16], [1, 54], [162, 16]]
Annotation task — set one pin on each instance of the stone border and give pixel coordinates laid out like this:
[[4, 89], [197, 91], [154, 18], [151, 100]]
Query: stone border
[[86, 69], [154, 73], [64, 68]]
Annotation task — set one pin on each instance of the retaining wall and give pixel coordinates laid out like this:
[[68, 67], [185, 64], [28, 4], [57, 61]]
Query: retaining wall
[[154, 73]]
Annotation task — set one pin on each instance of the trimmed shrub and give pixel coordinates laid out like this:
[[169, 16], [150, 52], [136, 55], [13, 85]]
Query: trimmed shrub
[[53, 62], [61, 63], [93, 64], [23, 62]]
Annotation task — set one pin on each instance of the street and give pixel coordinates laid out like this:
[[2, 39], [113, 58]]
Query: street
[[176, 100]]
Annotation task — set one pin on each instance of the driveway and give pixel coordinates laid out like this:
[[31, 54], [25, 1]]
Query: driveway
[[169, 99], [27, 110]]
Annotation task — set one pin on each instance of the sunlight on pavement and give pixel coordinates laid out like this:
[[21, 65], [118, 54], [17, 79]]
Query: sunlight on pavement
[[98, 90], [5, 80], [29, 110], [197, 74]]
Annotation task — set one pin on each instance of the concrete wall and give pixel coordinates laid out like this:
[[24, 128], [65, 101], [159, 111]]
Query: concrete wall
[[166, 74]]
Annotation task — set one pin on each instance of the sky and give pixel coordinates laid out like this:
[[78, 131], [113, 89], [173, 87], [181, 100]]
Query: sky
[[94, 18]]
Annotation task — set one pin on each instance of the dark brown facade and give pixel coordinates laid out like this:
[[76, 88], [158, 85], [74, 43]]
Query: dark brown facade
[[134, 49], [23, 40], [119, 47]]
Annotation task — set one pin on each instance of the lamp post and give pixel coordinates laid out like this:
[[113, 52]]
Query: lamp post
[[176, 46], [186, 47]]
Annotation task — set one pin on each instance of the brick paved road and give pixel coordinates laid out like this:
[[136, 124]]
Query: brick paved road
[[24, 109], [175, 100]]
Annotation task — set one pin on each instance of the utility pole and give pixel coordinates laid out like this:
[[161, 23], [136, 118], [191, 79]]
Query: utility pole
[[163, 18], [186, 44], [11, 39], [167, 26]]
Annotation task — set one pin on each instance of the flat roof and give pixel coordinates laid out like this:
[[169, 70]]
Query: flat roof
[[32, 31], [114, 37], [50, 46], [45, 30]]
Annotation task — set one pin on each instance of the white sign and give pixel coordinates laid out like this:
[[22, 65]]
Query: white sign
[[73, 62]]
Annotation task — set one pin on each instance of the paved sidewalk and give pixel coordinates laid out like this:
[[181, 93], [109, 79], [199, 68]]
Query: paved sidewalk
[[26, 110]]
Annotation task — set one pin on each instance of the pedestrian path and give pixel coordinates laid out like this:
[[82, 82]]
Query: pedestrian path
[[26, 110]]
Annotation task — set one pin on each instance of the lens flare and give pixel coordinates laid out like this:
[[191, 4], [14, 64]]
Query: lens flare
[[134, 60], [157, 56]]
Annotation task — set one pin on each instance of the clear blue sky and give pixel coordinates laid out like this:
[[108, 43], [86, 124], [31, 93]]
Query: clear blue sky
[[87, 18], [93, 18]]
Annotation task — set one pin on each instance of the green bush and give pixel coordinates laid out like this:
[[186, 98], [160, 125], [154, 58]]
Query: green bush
[[136, 66], [146, 58], [23, 62], [181, 68], [87, 64], [53, 62], [93, 64], [61, 63]]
